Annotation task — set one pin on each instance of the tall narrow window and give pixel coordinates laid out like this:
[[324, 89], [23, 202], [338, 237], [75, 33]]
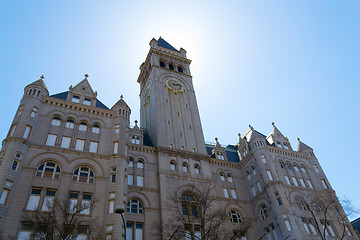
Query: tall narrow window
[[12, 130], [296, 167], [309, 183], [287, 180], [48, 200], [56, 121], [302, 182], [180, 70], [80, 143], [130, 179], [253, 190], [222, 177], [65, 142], [172, 166], [85, 204], [20, 110], [288, 225], [93, 147], [51, 139], [197, 169], [73, 202], [69, 124], [248, 175], [233, 193], [316, 167], [230, 179], [115, 147], [258, 186], [253, 170], [263, 159], [117, 128], [27, 132], [5, 194], [34, 199], [324, 183], [226, 193], [131, 162], [295, 181], [185, 167], [34, 112], [140, 181], [264, 212], [15, 165], [268, 172], [111, 202]]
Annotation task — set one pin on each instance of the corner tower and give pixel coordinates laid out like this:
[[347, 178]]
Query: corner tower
[[168, 107]]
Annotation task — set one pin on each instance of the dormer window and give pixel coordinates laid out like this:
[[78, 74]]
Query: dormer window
[[135, 140], [278, 144], [171, 67], [87, 102], [162, 64], [286, 146], [180, 70], [220, 156], [75, 99], [244, 152]]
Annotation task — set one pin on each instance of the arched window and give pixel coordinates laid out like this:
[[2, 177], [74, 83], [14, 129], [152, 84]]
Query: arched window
[[288, 165], [56, 121], [131, 162], [230, 179], [235, 217], [162, 64], [253, 170], [185, 167], [134, 206], [172, 166], [296, 167], [222, 177], [83, 174], [48, 170], [171, 67], [264, 212], [197, 169], [69, 124], [303, 169], [189, 205], [248, 175], [96, 128], [83, 126], [140, 164], [281, 164], [180, 70]]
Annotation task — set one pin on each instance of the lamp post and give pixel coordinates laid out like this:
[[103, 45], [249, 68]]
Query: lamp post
[[120, 210]]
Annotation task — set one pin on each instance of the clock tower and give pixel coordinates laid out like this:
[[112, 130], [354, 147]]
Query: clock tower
[[168, 108]]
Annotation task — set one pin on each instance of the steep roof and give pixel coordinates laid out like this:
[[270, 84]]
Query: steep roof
[[302, 146], [63, 96], [230, 150], [121, 102], [165, 44]]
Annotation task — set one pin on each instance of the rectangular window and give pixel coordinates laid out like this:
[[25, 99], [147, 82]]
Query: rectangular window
[[316, 167], [295, 181], [263, 159], [113, 178], [111, 206], [129, 231], [87, 102], [287, 180], [73, 202], [139, 231], [65, 142], [258, 186], [269, 175], [48, 200], [172, 166], [85, 204], [324, 183], [34, 199], [140, 181], [253, 190], [286, 146], [115, 147], [25, 232], [226, 194], [197, 232], [233, 194], [80, 143], [27, 132], [75, 99], [34, 112], [93, 147], [307, 230], [130, 179], [15, 165], [51, 138], [12, 130], [288, 225], [4, 196], [302, 182], [309, 183]]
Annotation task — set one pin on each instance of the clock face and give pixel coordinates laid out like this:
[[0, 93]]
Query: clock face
[[174, 85]]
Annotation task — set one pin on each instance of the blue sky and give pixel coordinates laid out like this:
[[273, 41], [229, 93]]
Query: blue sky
[[295, 63]]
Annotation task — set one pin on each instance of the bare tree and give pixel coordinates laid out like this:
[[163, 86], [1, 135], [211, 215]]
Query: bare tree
[[61, 220], [194, 214], [323, 211]]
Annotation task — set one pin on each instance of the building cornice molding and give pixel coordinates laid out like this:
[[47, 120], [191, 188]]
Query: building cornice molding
[[287, 152]]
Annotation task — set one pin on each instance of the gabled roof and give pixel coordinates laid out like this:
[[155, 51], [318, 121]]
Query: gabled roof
[[84, 86], [252, 134], [63, 96], [120, 103], [40, 83], [230, 150], [165, 44]]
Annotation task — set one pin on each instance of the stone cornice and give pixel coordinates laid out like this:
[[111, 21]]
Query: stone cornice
[[287, 152], [182, 153], [79, 107], [141, 148]]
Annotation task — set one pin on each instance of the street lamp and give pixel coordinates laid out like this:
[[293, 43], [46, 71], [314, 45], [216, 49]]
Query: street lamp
[[120, 209]]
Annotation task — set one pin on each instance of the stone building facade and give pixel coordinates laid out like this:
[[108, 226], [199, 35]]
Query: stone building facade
[[71, 146]]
